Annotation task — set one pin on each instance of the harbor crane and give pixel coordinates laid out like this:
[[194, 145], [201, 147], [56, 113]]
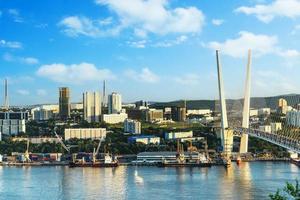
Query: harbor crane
[[95, 153]]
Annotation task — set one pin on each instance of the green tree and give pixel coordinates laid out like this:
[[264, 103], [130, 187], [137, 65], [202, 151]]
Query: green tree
[[292, 192]]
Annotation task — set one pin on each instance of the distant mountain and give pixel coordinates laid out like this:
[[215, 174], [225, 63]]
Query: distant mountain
[[256, 102]]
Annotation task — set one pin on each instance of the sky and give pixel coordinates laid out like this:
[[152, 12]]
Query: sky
[[153, 50]]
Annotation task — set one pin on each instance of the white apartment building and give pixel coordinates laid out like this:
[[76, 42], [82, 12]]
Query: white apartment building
[[178, 135], [114, 103], [114, 118], [198, 112], [132, 126], [85, 133], [92, 106]]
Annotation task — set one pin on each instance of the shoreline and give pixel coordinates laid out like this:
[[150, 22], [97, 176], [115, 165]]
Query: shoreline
[[54, 164]]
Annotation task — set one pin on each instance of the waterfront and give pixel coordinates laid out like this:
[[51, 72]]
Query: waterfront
[[253, 180]]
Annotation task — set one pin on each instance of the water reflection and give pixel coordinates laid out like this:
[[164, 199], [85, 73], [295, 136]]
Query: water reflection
[[247, 181]]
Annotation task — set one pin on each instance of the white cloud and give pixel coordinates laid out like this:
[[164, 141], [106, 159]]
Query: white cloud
[[23, 92], [24, 60], [259, 44], [179, 40], [146, 75], [137, 44], [295, 29], [75, 25], [217, 22], [160, 19], [75, 73], [238, 47], [16, 15], [29, 60], [10, 44], [278, 8], [41, 92], [188, 79]]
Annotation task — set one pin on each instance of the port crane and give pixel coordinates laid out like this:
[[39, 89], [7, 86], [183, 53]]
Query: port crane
[[95, 153], [60, 140], [26, 154]]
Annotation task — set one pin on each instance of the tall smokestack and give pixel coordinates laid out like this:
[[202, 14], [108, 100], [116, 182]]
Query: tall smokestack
[[6, 103]]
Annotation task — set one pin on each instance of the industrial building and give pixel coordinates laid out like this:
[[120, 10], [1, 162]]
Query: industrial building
[[85, 133]]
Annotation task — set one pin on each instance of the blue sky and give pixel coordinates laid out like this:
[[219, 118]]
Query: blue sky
[[156, 50]]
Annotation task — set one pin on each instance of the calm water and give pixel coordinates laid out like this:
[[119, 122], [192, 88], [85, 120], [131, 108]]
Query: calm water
[[248, 181]]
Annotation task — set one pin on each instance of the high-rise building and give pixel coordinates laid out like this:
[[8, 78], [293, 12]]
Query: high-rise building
[[282, 106], [114, 103], [64, 103], [132, 126], [92, 106], [282, 102]]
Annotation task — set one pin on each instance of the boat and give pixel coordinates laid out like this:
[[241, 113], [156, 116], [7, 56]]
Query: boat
[[84, 159], [238, 160], [186, 161], [296, 161]]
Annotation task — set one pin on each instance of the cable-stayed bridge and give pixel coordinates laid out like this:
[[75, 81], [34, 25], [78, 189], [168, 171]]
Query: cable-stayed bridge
[[288, 139]]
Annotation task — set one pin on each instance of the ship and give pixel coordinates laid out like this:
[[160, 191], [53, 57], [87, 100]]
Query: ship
[[190, 159], [91, 160]]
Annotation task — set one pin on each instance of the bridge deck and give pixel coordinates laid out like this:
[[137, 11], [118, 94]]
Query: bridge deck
[[280, 140]]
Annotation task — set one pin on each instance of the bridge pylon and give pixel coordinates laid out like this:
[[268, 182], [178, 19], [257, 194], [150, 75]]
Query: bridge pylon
[[226, 134], [246, 108]]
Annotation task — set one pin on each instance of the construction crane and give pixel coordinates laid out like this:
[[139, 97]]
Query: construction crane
[[61, 141], [95, 153], [26, 154]]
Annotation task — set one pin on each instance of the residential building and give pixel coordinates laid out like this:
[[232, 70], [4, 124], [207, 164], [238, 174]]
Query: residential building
[[145, 139], [132, 126], [293, 118], [42, 114], [13, 123], [253, 112], [199, 112], [265, 128], [153, 115], [92, 106], [64, 103], [275, 126], [85, 133], [264, 111], [178, 114], [114, 118], [178, 135], [282, 102], [12, 126], [114, 103], [76, 106]]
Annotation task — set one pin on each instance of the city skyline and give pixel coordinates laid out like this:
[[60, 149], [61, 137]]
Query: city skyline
[[147, 57]]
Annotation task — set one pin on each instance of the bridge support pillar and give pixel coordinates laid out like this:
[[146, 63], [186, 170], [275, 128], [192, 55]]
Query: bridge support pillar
[[244, 143], [227, 142]]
